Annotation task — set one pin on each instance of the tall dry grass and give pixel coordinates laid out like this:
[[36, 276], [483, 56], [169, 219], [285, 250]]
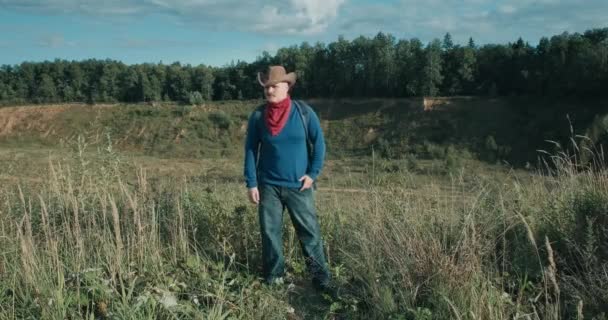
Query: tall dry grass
[[100, 239]]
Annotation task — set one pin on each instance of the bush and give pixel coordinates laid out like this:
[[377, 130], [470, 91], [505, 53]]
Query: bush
[[183, 110], [434, 151], [145, 111], [582, 251], [491, 148], [590, 211], [491, 143], [575, 222], [453, 162], [195, 98], [384, 149], [412, 162], [578, 226], [221, 119]]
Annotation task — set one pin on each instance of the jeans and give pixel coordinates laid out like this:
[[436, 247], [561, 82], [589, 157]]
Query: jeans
[[301, 208]]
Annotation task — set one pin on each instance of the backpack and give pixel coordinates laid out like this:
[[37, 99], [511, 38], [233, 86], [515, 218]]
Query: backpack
[[303, 109]]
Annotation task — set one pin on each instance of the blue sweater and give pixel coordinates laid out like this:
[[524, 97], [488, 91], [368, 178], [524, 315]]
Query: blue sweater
[[283, 159]]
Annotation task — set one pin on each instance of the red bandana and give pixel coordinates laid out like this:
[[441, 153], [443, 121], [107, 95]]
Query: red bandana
[[276, 115]]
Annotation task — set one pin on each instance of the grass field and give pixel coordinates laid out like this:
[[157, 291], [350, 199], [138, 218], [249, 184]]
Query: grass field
[[89, 230]]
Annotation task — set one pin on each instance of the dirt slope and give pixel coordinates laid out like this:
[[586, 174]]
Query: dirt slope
[[516, 127]]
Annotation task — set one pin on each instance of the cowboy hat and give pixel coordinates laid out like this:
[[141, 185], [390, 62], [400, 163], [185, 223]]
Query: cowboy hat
[[276, 74]]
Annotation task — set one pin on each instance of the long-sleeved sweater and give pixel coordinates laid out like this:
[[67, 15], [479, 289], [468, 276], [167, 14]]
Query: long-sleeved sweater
[[283, 159]]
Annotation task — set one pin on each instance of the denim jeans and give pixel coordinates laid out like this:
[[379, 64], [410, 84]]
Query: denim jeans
[[301, 208]]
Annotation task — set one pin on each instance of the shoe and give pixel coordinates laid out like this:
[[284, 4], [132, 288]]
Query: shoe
[[327, 288], [278, 281]]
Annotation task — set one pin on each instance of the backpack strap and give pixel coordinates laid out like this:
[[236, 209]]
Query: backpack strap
[[257, 114], [304, 111], [257, 117]]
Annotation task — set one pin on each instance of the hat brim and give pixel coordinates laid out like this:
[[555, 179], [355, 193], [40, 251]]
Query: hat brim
[[290, 78]]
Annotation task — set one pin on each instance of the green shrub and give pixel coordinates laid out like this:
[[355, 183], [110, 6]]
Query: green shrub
[[221, 120], [412, 162], [182, 110], [490, 143], [385, 149], [452, 161], [590, 233], [491, 149], [195, 98], [576, 225], [434, 151], [144, 112], [504, 151]]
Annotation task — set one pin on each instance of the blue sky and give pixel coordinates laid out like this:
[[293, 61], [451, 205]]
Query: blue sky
[[216, 32]]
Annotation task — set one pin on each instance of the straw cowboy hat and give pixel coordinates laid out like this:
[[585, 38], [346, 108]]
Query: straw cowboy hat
[[276, 74]]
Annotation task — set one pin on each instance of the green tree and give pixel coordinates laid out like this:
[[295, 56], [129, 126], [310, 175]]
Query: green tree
[[155, 77], [45, 90], [319, 80], [419, 62], [6, 93], [597, 36], [565, 64], [361, 62], [144, 87], [75, 83], [108, 85], [466, 69], [451, 84], [178, 82], [492, 65], [304, 67], [431, 72], [223, 89], [341, 66], [129, 85], [448, 43], [471, 44], [382, 72], [405, 63], [203, 79], [26, 85]]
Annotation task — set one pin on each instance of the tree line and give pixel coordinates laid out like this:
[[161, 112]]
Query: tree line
[[380, 66]]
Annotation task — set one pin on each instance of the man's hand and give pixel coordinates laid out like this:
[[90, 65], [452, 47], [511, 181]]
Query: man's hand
[[254, 195], [306, 182]]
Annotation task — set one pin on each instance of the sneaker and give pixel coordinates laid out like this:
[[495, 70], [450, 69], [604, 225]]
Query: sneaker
[[279, 281], [327, 288]]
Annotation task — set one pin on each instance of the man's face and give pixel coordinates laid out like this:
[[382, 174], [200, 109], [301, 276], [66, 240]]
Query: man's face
[[277, 92]]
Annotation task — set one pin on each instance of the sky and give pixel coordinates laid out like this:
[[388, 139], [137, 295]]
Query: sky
[[217, 32]]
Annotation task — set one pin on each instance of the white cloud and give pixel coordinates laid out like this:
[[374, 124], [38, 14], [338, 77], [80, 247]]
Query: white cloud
[[271, 16], [507, 9], [270, 47], [138, 43], [54, 41], [318, 11], [483, 20], [107, 7]]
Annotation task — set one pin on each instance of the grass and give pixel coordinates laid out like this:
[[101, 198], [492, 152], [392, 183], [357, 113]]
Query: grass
[[91, 231], [489, 129], [101, 235]]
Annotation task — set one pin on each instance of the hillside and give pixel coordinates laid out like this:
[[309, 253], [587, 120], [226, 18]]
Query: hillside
[[510, 129], [163, 229]]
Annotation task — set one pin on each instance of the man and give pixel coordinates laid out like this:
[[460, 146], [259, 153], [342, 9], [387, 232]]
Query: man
[[284, 153]]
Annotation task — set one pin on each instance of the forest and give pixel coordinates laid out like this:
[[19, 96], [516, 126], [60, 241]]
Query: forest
[[564, 65]]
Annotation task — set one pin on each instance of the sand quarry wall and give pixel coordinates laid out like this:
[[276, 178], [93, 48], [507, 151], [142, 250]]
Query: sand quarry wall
[[41, 119]]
